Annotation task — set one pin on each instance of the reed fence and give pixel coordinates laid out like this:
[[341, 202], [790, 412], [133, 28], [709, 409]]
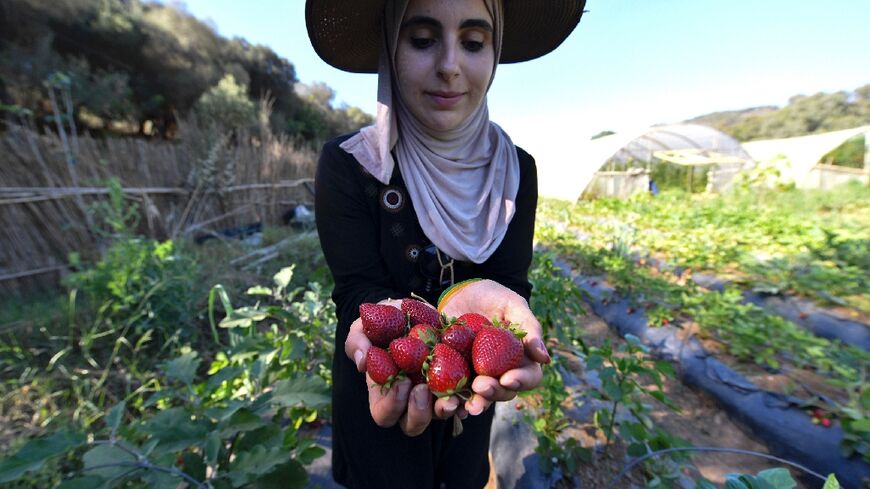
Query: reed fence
[[53, 185]]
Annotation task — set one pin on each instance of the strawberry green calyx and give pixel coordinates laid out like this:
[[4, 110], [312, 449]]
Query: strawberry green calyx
[[514, 328]]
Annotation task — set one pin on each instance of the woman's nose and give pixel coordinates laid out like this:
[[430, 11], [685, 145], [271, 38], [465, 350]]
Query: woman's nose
[[448, 65]]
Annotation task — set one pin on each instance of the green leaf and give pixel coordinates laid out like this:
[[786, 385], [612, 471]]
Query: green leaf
[[212, 448], [250, 465], [779, 478], [154, 479], [310, 454], [269, 436], [310, 391], [108, 461], [224, 297], [831, 483], [159, 396], [290, 475], [116, 414], [861, 425], [243, 317], [744, 481], [736, 484], [259, 290], [182, 368], [283, 277], [637, 450], [241, 421], [224, 413], [176, 429], [86, 482], [666, 368], [221, 376], [35, 453], [193, 465]]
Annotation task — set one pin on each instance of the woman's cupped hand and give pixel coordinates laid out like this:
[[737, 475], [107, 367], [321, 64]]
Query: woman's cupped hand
[[414, 407]]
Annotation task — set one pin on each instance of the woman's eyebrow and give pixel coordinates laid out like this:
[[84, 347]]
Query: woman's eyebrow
[[418, 20], [476, 24]]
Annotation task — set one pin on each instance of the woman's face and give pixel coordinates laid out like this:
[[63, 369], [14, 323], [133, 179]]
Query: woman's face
[[444, 60]]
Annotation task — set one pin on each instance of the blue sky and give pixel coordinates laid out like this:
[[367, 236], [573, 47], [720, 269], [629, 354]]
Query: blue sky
[[629, 64]]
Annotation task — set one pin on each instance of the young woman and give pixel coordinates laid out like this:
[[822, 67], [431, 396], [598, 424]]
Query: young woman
[[431, 195]]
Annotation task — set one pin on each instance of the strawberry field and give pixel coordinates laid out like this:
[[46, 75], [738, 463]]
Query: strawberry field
[[179, 365]]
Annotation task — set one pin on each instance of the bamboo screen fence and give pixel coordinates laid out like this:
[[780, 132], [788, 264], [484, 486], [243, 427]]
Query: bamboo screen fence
[[52, 186]]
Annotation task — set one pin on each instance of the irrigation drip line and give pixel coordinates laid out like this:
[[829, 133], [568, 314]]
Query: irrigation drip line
[[738, 451]]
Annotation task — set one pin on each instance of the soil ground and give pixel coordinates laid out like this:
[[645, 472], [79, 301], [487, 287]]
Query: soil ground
[[699, 421]]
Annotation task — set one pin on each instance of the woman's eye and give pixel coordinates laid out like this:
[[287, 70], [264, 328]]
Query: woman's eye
[[473, 46], [422, 42]]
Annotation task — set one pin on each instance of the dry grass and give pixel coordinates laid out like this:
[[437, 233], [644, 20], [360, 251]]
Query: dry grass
[[205, 181]]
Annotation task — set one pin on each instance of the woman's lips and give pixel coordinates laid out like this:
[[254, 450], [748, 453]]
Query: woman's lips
[[445, 100]]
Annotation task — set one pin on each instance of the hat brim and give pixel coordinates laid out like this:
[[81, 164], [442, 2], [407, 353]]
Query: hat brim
[[345, 33]]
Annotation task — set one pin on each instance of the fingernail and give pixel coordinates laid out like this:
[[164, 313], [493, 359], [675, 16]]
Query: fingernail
[[421, 398], [513, 385], [357, 359], [449, 410], [473, 407], [403, 389], [543, 350]]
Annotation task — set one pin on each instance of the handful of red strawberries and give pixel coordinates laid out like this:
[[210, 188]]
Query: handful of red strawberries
[[416, 342]]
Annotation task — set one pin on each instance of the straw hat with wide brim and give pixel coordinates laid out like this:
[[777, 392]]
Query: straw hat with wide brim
[[346, 33]]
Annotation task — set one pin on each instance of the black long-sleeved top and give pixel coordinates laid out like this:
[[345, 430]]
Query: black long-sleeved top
[[375, 249]]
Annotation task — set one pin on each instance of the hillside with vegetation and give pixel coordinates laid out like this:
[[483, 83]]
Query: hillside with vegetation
[[804, 114], [135, 67]]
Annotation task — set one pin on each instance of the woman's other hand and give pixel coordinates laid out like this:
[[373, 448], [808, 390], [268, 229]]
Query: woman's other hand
[[410, 407], [494, 300]]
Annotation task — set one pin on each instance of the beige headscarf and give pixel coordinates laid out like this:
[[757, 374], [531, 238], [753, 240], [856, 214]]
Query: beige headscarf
[[463, 182]]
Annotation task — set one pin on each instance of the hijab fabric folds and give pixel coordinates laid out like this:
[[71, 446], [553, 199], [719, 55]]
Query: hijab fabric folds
[[463, 182]]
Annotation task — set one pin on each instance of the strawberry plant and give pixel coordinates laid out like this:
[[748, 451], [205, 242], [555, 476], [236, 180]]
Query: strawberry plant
[[812, 243], [196, 435], [236, 427], [620, 370], [556, 300], [294, 329], [548, 421]]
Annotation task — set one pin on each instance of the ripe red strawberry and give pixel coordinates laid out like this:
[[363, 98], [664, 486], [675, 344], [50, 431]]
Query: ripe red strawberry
[[426, 333], [495, 351], [421, 312], [447, 372], [459, 336], [381, 323], [475, 321], [409, 353], [380, 366]]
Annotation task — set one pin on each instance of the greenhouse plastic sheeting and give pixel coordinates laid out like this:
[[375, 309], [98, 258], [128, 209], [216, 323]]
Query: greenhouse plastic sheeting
[[801, 153], [568, 179]]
